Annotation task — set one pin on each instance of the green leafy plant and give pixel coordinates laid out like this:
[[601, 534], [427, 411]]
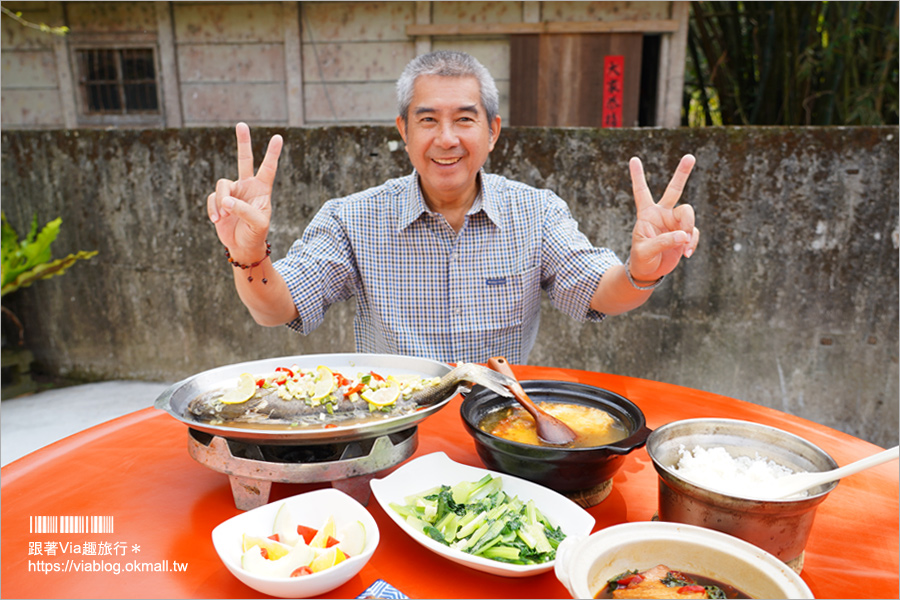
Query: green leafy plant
[[792, 63], [25, 261]]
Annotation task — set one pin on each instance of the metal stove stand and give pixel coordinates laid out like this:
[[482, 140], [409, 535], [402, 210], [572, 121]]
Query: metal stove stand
[[252, 468]]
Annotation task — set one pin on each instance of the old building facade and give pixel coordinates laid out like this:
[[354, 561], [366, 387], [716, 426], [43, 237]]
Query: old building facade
[[292, 64]]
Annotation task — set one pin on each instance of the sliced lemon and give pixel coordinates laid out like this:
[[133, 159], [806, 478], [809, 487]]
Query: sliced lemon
[[325, 383], [327, 559], [382, 397], [245, 389], [320, 540], [274, 550]]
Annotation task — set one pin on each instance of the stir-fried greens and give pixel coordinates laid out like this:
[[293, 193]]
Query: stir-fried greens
[[481, 519]]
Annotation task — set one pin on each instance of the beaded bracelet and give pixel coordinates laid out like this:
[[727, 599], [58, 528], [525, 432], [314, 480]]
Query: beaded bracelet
[[635, 285], [238, 265]]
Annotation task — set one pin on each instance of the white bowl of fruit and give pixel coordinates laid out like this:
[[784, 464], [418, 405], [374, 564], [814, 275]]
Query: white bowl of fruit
[[298, 547]]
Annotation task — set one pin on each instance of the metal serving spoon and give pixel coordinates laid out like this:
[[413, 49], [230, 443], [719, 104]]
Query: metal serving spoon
[[799, 482], [549, 429]]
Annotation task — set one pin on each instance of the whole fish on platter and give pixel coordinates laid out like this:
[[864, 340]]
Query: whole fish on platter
[[297, 397]]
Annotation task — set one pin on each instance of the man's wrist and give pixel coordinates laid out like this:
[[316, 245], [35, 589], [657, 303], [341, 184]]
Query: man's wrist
[[250, 266], [638, 284], [243, 258]]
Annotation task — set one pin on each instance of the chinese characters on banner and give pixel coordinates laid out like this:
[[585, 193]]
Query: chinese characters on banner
[[613, 75]]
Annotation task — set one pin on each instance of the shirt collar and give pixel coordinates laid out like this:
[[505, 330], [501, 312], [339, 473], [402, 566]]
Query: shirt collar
[[413, 202]]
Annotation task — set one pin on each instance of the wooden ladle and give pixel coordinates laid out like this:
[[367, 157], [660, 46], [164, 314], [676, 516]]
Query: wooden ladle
[[549, 429]]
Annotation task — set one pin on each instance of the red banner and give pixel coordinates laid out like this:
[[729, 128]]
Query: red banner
[[613, 76]]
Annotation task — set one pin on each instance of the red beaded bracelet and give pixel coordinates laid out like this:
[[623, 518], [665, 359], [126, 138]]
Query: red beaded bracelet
[[238, 265]]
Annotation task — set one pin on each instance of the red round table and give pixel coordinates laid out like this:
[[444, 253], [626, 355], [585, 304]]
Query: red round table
[[164, 505]]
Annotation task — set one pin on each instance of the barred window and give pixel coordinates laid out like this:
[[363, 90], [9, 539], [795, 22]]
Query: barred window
[[118, 81]]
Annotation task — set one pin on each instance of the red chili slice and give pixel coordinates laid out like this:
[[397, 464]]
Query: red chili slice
[[376, 376], [286, 370]]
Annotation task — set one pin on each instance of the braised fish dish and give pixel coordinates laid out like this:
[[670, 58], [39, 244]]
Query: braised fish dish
[[297, 397], [663, 582]]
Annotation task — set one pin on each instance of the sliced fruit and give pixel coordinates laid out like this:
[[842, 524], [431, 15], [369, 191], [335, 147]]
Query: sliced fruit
[[244, 390], [382, 397], [274, 550], [307, 533], [300, 556], [284, 526], [321, 538], [353, 538], [327, 559], [325, 383]]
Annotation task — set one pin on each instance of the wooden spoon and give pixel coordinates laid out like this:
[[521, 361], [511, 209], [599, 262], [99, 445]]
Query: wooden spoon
[[549, 429]]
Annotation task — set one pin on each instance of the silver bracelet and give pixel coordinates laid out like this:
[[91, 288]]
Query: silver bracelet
[[643, 288]]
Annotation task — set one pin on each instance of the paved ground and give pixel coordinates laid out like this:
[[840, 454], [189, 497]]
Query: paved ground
[[31, 422]]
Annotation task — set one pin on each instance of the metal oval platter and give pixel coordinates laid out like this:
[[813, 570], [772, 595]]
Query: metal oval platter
[[177, 397]]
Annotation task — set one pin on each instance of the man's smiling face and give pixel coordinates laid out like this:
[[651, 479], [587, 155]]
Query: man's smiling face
[[448, 137]]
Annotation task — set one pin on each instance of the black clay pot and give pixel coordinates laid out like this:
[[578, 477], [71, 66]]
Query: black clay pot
[[558, 468]]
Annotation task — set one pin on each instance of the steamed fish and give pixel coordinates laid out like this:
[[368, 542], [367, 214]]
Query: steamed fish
[[296, 397]]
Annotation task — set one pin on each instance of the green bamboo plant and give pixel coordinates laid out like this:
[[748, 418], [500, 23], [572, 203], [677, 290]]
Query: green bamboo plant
[[27, 260], [792, 63]]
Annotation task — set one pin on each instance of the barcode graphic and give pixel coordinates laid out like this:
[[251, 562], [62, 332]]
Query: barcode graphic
[[70, 524]]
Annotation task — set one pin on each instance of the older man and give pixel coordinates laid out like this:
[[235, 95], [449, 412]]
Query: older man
[[447, 263]]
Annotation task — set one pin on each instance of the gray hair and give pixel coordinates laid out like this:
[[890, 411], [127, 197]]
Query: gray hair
[[447, 63]]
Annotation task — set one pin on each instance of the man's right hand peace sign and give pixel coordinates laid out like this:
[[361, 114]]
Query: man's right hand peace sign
[[241, 209]]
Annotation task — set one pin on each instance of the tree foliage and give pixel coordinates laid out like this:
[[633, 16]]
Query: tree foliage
[[792, 63]]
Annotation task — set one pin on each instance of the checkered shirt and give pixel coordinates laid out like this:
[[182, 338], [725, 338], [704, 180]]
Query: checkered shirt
[[424, 290]]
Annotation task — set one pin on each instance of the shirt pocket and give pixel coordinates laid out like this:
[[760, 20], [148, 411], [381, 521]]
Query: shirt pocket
[[506, 300]]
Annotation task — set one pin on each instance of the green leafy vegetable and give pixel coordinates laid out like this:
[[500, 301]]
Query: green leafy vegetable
[[479, 518]]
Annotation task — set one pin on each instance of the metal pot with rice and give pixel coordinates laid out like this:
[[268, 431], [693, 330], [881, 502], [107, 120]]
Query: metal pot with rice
[[708, 473]]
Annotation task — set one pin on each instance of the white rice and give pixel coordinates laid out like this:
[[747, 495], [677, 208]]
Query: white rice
[[715, 468]]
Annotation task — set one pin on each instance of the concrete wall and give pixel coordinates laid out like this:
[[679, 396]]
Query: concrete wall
[[790, 302]]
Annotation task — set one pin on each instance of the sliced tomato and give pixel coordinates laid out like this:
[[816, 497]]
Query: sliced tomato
[[635, 579], [308, 533], [691, 589], [264, 552], [274, 536], [331, 542], [299, 571]]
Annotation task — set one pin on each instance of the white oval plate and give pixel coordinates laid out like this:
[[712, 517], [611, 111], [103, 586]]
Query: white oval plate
[[434, 469]]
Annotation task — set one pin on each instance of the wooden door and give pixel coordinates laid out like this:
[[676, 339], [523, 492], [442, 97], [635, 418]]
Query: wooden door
[[557, 79]]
